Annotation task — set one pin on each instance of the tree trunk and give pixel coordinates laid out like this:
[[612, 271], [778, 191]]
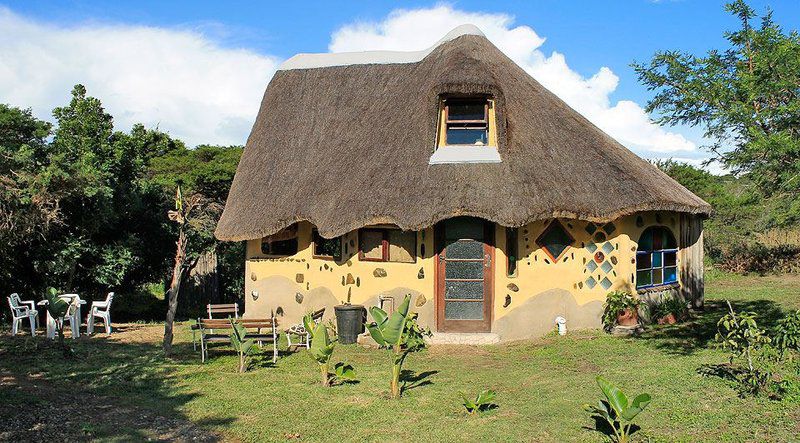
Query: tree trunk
[[396, 367], [326, 379], [174, 289]]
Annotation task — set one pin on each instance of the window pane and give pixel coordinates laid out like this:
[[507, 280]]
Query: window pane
[[554, 239], [467, 136], [327, 247], [280, 247], [464, 249], [463, 310], [657, 277], [669, 258], [402, 246], [511, 252], [643, 261], [463, 228], [371, 244], [643, 278], [463, 269], [466, 111], [670, 275], [657, 263], [463, 289]]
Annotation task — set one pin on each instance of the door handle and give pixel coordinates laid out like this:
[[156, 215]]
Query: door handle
[[488, 260]]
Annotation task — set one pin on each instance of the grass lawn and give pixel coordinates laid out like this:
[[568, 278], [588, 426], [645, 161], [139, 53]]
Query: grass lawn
[[541, 385]]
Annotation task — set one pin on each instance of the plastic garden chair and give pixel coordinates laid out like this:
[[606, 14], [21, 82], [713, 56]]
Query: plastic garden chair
[[20, 310], [101, 310]]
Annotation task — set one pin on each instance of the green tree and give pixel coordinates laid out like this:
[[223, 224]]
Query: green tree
[[746, 98]]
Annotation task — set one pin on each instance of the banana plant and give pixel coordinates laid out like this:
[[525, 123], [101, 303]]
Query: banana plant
[[617, 410], [241, 344], [321, 349], [398, 332], [58, 309], [484, 401]]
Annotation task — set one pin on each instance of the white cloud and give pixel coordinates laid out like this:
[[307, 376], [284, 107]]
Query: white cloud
[[180, 80], [419, 28]]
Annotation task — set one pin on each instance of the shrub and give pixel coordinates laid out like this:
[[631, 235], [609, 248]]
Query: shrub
[[321, 350], [787, 334], [740, 335], [240, 343]]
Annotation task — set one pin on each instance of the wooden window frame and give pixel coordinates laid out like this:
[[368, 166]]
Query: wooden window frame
[[446, 102], [514, 274], [270, 255], [385, 256], [314, 235]]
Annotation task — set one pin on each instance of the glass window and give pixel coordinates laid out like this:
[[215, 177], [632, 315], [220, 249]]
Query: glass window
[[554, 240], [656, 258], [387, 245], [282, 243], [327, 247], [467, 122], [512, 247]]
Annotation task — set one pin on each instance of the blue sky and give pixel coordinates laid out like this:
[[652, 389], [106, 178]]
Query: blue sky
[[591, 35]]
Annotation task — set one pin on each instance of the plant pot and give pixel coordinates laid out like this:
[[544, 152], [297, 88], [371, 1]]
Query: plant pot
[[628, 317], [668, 319], [349, 322]]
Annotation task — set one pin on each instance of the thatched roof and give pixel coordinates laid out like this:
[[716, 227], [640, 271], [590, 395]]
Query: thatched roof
[[345, 141]]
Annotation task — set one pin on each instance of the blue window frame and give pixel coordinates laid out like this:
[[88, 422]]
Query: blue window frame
[[656, 258]]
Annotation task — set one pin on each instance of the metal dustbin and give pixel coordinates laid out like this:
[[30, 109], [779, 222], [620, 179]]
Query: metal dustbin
[[349, 322]]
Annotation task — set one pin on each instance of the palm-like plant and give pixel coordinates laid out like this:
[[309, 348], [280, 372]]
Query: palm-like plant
[[484, 401], [398, 332], [58, 309], [321, 349], [617, 410], [240, 343]]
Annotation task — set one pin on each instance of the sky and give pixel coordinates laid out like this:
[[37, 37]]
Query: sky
[[198, 69]]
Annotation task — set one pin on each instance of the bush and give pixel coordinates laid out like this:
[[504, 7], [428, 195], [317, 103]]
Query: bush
[[761, 259], [616, 303]]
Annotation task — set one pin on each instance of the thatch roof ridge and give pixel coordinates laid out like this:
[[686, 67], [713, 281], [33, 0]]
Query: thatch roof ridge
[[331, 146]]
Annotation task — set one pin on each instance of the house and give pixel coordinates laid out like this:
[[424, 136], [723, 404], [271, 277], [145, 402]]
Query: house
[[452, 175]]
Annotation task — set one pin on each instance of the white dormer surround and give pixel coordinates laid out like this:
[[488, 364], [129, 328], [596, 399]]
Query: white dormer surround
[[465, 154], [310, 61]]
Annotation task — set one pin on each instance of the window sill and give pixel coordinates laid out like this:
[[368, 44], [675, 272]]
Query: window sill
[[465, 154], [658, 288]]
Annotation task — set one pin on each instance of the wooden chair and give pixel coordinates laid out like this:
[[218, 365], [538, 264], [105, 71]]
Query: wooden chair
[[218, 331], [300, 330]]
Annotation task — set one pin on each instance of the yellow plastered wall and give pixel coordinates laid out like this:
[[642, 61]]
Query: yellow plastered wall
[[524, 305]]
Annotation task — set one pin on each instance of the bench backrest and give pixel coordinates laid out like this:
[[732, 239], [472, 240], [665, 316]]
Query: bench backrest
[[248, 323], [231, 308]]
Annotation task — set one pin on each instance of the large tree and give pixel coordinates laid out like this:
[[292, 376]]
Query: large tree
[[746, 97]]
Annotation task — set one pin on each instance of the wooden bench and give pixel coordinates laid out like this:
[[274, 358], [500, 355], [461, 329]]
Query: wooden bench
[[219, 331], [219, 310]]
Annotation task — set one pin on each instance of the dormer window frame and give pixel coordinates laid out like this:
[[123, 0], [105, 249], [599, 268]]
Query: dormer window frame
[[446, 123]]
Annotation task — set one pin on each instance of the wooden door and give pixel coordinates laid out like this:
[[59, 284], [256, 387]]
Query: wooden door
[[464, 283]]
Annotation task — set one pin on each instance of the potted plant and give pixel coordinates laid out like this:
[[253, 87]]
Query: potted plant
[[669, 311], [621, 308]]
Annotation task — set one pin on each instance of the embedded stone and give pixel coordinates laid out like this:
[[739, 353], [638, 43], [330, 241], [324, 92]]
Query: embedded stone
[[325, 266], [379, 272], [299, 278], [349, 263], [344, 282], [421, 300], [614, 260], [421, 273], [358, 281], [350, 280], [507, 302], [298, 297], [253, 276], [513, 287]]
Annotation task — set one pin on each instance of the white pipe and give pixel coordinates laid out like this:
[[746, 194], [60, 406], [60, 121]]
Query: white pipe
[[562, 325]]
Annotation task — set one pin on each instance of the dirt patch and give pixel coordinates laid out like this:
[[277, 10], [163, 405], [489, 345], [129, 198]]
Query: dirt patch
[[35, 410]]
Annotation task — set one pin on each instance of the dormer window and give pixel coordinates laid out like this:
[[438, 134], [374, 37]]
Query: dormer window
[[467, 122], [467, 131]]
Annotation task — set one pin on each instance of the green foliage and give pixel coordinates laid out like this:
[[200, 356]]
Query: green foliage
[[668, 305], [616, 303], [740, 335], [240, 343], [745, 97], [787, 334], [344, 371], [58, 308], [484, 401], [400, 333], [321, 351], [617, 410]]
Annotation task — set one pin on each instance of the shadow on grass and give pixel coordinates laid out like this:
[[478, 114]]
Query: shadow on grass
[[109, 389], [601, 426], [412, 380], [698, 331]]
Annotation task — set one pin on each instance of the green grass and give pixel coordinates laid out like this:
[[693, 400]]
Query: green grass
[[541, 384]]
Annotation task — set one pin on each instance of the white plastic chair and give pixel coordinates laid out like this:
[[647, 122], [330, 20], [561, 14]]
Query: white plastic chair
[[20, 310], [101, 310]]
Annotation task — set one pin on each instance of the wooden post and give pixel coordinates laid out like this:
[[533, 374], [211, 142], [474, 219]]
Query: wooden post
[[691, 257]]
